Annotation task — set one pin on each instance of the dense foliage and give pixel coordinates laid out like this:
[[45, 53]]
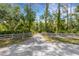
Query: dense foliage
[[12, 20]]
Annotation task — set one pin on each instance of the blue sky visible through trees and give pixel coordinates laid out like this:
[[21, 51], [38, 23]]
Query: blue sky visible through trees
[[40, 7]]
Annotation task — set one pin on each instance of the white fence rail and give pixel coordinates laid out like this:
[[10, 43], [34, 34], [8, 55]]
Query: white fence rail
[[25, 35], [15, 36], [63, 35]]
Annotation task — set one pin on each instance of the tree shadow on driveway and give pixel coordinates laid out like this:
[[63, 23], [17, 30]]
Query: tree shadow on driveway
[[36, 47]]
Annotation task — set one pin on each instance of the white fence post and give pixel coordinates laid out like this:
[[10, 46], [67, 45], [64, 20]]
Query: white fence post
[[22, 35], [12, 36]]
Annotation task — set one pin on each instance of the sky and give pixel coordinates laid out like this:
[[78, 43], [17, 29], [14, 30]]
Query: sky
[[40, 7]]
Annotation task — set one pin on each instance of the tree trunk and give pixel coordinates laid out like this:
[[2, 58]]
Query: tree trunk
[[58, 19], [46, 15], [67, 18]]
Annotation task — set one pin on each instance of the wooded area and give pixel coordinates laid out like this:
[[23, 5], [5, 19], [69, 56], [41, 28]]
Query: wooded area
[[63, 20]]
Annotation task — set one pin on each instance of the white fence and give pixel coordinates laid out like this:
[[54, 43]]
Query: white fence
[[63, 35], [15, 36], [26, 35]]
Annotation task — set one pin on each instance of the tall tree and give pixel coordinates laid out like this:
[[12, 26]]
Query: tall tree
[[5, 11], [65, 11], [77, 16], [77, 12], [46, 14], [67, 16], [30, 15], [58, 19]]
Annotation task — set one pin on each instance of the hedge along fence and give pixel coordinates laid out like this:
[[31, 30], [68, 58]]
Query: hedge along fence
[[15, 36]]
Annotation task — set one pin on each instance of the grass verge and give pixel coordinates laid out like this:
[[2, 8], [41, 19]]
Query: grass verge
[[8, 42], [64, 40], [68, 40]]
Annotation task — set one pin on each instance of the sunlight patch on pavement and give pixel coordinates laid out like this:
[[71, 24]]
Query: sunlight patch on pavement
[[37, 46], [38, 53], [22, 48], [4, 51], [40, 37]]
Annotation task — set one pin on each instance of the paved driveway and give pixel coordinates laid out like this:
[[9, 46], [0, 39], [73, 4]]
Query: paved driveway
[[38, 47]]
